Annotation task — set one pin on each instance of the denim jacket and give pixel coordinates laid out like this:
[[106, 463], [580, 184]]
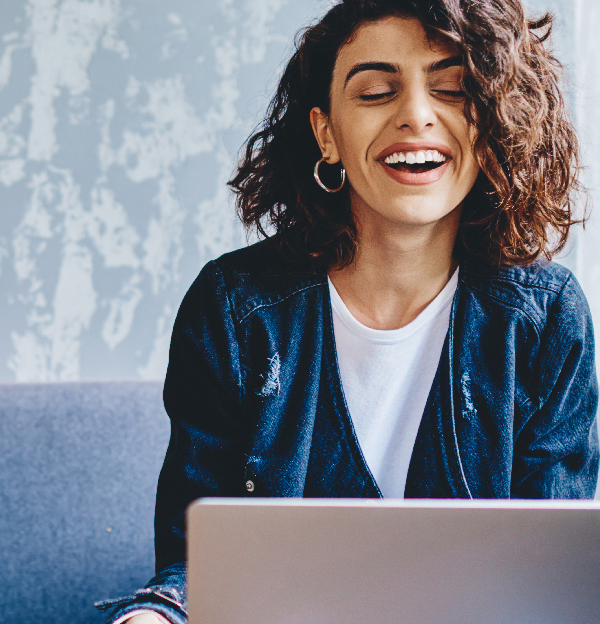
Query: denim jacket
[[257, 407]]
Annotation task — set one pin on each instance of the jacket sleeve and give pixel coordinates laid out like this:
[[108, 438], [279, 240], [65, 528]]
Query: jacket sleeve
[[165, 594], [556, 450], [203, 397]]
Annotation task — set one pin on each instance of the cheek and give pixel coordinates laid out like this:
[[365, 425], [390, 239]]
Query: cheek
[[355, 135], [469, 162], [470, 174]]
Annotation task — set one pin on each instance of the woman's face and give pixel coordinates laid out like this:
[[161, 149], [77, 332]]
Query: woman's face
[[397, 124]]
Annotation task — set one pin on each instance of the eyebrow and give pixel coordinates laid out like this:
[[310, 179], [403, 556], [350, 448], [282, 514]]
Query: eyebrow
[[452, 61], [389, 68]]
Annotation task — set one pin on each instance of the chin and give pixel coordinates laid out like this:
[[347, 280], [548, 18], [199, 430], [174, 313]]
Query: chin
[[420, 213], [412, 210]]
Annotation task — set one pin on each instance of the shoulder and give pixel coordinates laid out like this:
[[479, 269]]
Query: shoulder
[[256, 276], [540, 290], [535, 278]]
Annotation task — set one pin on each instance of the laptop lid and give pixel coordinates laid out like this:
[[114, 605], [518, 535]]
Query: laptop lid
[[333, 561]]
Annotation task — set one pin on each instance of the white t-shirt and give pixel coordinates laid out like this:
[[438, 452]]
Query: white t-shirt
[[386, 377]]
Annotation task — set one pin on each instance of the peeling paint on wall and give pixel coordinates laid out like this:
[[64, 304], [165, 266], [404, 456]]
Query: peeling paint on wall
[[120, 124], [119, 128]]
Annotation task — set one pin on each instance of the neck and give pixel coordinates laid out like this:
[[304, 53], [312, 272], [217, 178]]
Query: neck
[[395, 275]]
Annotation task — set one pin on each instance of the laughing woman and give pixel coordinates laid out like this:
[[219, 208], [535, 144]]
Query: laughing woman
[[403, 333]]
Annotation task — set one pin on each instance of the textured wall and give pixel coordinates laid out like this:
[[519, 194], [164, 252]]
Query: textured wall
[[120, 122]]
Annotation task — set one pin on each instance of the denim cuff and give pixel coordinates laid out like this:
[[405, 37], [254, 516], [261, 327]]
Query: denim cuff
[[163, 601]]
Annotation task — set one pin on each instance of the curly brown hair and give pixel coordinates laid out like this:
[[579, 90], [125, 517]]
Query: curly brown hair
[[521, 206]]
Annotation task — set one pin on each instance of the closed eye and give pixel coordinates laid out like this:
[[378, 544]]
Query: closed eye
[[451, 94], [371, 97]]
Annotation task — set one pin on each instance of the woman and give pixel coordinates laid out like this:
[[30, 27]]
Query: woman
[[403, 333]]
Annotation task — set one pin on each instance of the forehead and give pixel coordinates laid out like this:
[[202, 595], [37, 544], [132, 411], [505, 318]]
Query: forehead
[[398, 40]]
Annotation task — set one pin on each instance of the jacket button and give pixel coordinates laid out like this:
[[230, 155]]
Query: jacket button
[[250, 486]]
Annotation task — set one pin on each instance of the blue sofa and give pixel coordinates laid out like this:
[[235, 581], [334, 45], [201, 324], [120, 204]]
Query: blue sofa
[[78, 469]]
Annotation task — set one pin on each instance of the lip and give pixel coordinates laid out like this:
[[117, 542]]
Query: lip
[[415, 147], [416, 179]]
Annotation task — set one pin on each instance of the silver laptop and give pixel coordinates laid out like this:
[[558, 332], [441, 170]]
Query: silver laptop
[[293, 561]]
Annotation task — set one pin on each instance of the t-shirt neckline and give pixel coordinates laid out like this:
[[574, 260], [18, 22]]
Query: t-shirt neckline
[[437, 306]]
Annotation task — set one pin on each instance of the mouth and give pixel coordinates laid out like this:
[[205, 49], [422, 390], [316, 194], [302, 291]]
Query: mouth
[[410, 165]]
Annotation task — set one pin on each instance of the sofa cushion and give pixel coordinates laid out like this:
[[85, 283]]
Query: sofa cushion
[[78, 469]]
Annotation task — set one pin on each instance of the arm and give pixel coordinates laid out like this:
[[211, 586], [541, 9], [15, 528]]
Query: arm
[[556, 449], [203, 397]]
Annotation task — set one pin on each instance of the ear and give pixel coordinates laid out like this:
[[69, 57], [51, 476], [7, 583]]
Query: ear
[[323, 133]]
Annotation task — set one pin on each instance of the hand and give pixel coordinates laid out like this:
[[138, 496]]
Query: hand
[[147, 618]]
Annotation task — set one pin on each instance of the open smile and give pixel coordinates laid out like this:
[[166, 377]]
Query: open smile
[[415, 164]]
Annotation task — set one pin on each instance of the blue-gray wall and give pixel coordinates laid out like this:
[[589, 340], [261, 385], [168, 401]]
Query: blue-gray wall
[[120, 122]]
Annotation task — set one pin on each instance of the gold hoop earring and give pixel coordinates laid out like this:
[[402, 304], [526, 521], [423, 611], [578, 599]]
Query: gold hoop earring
[[318, 179]]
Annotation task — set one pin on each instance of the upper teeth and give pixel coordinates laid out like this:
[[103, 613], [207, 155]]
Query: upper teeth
[[410, 158]]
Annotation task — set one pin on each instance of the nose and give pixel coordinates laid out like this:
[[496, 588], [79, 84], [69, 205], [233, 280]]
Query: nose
[[415, 111]]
